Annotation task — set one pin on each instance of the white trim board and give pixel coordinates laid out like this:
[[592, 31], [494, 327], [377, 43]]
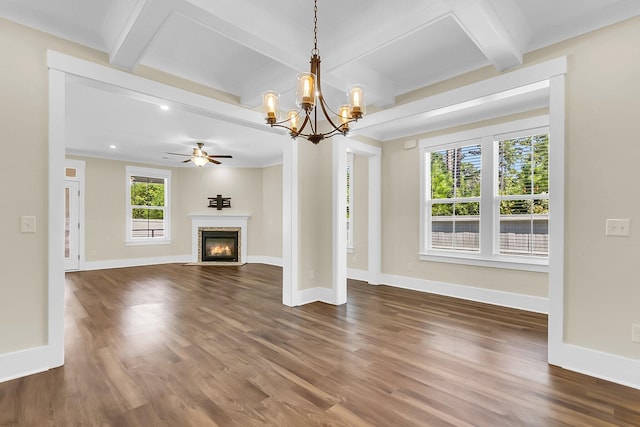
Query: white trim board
[[355, 274], [459, 96], [317, 294], [25, 362], [175, 259], [268, 260], [487, 296], [606, 366], [135, 262]]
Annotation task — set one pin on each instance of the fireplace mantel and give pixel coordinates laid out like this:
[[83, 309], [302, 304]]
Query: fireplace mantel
[[219, 219]]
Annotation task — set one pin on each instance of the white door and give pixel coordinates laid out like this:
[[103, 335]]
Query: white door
[[71, 225]]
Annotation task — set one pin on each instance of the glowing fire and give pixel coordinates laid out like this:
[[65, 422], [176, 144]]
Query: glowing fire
[[220, 250]]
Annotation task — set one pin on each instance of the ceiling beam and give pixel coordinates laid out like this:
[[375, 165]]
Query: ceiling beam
[[485, 28], [143, 24]]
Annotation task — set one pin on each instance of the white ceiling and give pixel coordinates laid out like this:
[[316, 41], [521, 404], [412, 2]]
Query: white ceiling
[[246, 47]]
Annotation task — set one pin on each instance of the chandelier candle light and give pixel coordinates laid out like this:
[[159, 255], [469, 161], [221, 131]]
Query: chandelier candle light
[[309, 97]]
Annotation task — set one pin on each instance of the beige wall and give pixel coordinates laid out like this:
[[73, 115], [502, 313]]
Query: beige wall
[[602, 152], [603, 101], [24, 129], [401, 219], [105, 214], [243, 185], [358, 258], [272, 211], [24, 126], [190, 189], [315, 219]]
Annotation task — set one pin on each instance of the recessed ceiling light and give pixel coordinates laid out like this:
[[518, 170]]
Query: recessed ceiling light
[[164, 107], [113, 146]]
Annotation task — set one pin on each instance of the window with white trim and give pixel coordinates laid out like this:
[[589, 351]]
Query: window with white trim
[[523, 194], [486, 196], [349, 213], [148, 208], [454, 202]]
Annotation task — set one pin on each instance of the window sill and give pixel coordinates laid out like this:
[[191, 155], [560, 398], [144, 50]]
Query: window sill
[[509, 263], [147, 242]]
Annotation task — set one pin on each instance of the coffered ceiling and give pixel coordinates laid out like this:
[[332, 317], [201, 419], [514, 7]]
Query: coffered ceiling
[[246, 47]]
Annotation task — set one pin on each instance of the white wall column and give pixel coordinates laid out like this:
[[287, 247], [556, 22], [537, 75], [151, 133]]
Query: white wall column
[[339, 219], [289, 223]]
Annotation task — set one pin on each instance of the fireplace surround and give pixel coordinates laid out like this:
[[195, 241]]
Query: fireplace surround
[[223, 222]]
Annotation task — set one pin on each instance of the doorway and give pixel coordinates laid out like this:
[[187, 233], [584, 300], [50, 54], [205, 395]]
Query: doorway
[[71, 225], [73, 214]]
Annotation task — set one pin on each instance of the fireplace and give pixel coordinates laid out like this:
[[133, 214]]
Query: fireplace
[[219, 222], [219, 245]]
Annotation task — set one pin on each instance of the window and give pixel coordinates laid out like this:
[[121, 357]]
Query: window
[[148, 210], [486, 196], [523, 195], [455, 198], [349, 213]]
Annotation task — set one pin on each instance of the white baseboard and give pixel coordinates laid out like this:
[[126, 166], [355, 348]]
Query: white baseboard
[[134, 262], [489, 296], [317, 294], [25, 362], [264, 260], [355, 274], [606, 366]]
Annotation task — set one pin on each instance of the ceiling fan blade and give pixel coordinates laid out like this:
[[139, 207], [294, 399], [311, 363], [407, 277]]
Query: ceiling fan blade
[[186, 161], [215, 162], [221, 156], [179, 154]]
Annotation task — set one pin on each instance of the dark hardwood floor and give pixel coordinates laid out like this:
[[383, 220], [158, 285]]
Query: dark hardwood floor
[[176, 345]]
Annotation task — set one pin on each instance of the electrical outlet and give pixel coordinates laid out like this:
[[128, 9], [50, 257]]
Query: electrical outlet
[[28, 224], [618, 227], [635, 333]]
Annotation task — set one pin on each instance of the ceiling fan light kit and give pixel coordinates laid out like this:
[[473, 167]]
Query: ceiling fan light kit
[[200, 157], [309, 99]]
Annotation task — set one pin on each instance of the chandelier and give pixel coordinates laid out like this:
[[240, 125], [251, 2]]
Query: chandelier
[[309, 100]]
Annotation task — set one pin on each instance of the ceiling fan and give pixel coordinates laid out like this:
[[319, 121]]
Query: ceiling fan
[[201, 158]]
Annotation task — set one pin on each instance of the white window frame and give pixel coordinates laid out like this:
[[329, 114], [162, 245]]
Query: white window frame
[[151, 173], [488, 255]]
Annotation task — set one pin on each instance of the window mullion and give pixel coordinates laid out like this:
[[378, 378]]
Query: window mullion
[[487, 199]]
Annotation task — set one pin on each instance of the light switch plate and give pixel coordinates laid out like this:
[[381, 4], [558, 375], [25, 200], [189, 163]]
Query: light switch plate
[[618, 227], [28, 224]]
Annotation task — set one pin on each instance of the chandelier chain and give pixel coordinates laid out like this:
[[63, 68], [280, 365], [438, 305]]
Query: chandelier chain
[[315, 27]]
